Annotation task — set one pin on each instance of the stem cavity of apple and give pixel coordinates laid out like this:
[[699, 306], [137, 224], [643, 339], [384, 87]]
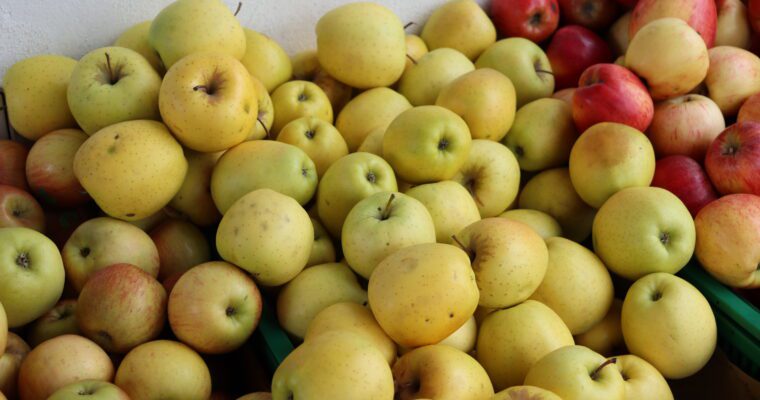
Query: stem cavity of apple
[[387, 211], [22, 260], [111, 78], [595, 374], [664, 238]]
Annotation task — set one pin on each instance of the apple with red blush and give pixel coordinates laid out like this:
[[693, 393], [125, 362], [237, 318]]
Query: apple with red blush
[[534, 20], [685, 178], [572, 50], [12, 160], [733, 159], [592, 14]]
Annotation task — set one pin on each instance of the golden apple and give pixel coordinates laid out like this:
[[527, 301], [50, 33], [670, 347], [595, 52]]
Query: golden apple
[[136, 38], [422, 83], [492, 176], [544, 224], [317, 138], [266, 60], [370, 110], [606, 337], [450, 205], [193, 200], [461, 25], [296, 99]]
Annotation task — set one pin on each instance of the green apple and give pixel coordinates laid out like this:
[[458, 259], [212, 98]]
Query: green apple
[[362, 45], [524, 63], [313, 290], [181, 246], [642, 230], [577, 286], [355, 318], [334, 365], [208, 100], [321, 142], [609, 157], [461, 25], [349, 180], [485, 99], [525, 392], [260, 164], [35, 92], [10, 362], [296, 99], [492, 176], [542, 135], [440, 372], [131, 169], [578, 373], [450, 205], [510, 341], [606, 336], [150, 371], [102, 242], [90, 389], [193, 200], [422, 83], [641, 379], [274, 248], [427, 144], [552, 192], [323, 249], [415, 49], [111, 85], [266, 60], [373, 143], [136, 38], [669, 323], [379, 225], [373, 109], [214, 307], [464, 338], [32, 272], [423, 293], [265, 117], [59, 320], [186, 27], [508, 257], [544, 224]]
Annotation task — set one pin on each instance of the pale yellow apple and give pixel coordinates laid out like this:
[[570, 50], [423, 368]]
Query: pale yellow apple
[[296, 99], [415, 49], [355, 318], [523, 392], [305, 65], [492, 176], [276, 247], [266, 60], [193, 199], [440, 372], [362, 45], [370, 110], [35, 92], [317, 138], [136, 38], [265, 116], [731, 78], [208, 101], [422, 83], [618, 34], [641, 379], [607, 158], [606, 337], [510, 341], [323, 249], [669, 323], [669, 55], [461, 25], [464, 338], [544, 224], [421, 294], [373, 143], [131, 169], [450, 205], [733, 28], [577, 285], [485, 99]]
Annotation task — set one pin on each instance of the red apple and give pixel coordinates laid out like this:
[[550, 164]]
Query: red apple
[[50, 168], [592, 14], [19, 208], [733, 159], [750, 109], [685, 125], [180, 245], [611, 93], [12, 160], [572, 49], [535, 20], [702, 15], [686, 179], [753, 9]]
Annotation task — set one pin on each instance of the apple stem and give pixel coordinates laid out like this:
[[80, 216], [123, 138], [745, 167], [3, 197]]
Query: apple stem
[[111, 78], [200, 87], [239, 6], [411, 59], [461, 245], [598, 369], [543, 71], [387, 211], [263, 126], [408, 24]]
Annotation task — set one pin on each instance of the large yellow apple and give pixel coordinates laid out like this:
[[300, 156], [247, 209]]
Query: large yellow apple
[[422, 83], [373, 109], [544, 224], [362, 45], [450, 205], [296, 99], [461, 25], [131, 169], [492, 176], [321, 142], [136, 38], [266, 60]]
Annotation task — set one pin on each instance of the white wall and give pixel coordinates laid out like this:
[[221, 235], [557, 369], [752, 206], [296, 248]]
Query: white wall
[[74, 27]]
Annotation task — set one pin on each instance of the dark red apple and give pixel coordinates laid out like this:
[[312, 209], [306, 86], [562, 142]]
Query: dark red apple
[[702, 15], [50, 169], [611, 93], [12, 160], [686, 179], [733, 159], [19, 208], [753, 11], [593, 14], [535, 20], [572, 49]]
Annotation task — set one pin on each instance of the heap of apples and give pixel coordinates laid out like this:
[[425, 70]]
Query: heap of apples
[[419, 205]]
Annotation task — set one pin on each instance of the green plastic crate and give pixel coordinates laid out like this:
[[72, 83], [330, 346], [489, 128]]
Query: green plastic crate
[[271, 339]]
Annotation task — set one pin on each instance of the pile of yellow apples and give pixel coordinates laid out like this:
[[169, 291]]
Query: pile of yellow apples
[[434, 217]]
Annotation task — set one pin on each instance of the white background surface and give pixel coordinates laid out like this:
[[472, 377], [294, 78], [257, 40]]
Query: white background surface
[[74, 27]]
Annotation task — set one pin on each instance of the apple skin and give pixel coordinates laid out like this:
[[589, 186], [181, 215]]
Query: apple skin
[[685, 178], [60, 320], [611, 93], [732, 77], [685, 125], [93, 389], [12, 164], [534, 20], [193, 200], [750, 109], [592, 14], [572, 50], [525, 392], [733, 27], [642, 380], [50, 169], [181, 246], [728, 231], [10, 363], [733, 159], [702, 15], [20, 209]]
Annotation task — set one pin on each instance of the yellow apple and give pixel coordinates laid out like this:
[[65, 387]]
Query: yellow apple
[[492, 176], [193, 199], [461, 25], [136, 38], [373, 143], [544, 224], [321, 142], [305, 65], [337, 92], [606, 337], [266, 60], [641, 379], [733, 27], [370, 110], [322, 250], [422, 83], [10, 363], [450, 205], [523, 392], [265, 117], [415, 49], [296, 99], [464, 338]]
